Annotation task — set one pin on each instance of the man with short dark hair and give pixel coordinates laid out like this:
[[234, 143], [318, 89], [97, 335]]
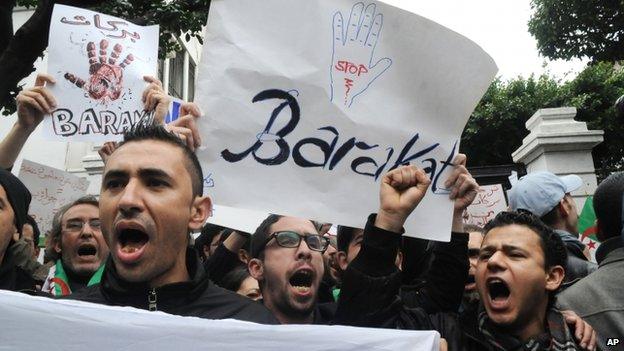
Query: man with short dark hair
[[151, 198], [78, 241], [287, 261], [548, 197], [204, 242], [599, 297], [521, 265], [14, 202]]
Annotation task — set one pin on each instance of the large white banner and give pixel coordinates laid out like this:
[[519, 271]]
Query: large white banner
[[311, 102], [51, 189], [98, 62], [36, 323]]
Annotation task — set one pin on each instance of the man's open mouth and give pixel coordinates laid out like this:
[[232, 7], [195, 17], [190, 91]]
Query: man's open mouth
[[302, 280], [498, 290], [87, 249], [132, 240]]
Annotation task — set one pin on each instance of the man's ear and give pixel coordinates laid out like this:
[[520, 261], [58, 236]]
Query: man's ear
[[564, 211], [341, 258], [567, 208], [200, 210], [554, 278], [256, 269]]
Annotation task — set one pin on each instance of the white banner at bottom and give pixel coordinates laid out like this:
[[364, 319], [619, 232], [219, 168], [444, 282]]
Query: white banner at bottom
[[36, 323]]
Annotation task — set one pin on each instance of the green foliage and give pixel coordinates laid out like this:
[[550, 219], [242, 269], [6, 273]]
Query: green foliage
[[27, 3], [496, 127], [593, 93], [179, 18], [579, 28]]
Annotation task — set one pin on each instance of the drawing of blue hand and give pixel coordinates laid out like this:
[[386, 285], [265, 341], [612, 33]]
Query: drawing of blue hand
[[352, 70]]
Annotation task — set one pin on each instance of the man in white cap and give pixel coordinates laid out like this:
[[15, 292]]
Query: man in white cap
[[548, 197]]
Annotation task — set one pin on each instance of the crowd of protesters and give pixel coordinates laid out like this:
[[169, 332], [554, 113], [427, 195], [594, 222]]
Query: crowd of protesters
[[523, 282]]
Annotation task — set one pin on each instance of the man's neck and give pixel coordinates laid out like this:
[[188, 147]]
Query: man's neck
[[285, 318], [177, 274], [533, 328]]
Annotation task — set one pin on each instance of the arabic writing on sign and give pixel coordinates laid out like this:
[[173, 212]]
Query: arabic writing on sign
[[105, 28], [489, 202], [43, 173], [51, 189]]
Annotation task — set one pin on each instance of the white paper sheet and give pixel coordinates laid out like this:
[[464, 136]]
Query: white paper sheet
[[310, 102], [98, 62], [36, 323], [51, 189]]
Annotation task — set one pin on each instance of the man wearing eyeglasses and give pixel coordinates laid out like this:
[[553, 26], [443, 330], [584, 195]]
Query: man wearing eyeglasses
[[77, 236], [288, 264]]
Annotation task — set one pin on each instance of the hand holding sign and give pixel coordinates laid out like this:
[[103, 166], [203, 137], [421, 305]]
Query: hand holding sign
[[401, 191], [34, 103], [155, 99], [463, 186], [352, 70], [186, 126]]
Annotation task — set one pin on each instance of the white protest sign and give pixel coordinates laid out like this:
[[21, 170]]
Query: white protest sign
[[36, 323], [237, 218], [489, 202], [50, 188], [98, 62], [313, 101]]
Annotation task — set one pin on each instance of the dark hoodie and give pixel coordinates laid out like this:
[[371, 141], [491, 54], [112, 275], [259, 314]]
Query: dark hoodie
[[198, 297]]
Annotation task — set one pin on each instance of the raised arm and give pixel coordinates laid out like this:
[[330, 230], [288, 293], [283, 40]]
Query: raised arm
[[32, 105]]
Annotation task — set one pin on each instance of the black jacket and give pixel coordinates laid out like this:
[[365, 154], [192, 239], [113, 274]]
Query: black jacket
[[220, 263], [577, 265], [369, 296], [198, 297], [14, 278], [442, 288]]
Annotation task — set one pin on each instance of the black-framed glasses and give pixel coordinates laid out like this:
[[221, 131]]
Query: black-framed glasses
[[77, 225], [292, 239]]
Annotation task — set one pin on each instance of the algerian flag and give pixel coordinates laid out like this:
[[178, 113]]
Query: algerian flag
[[587, 227]]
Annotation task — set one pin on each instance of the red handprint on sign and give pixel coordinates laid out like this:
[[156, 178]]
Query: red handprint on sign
[[353, 70], [105, 77]]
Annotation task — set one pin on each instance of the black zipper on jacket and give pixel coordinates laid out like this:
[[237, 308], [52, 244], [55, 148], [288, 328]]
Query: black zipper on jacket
[[151, 299]]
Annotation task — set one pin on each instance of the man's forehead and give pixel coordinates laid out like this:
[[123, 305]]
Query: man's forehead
[[512, 235], [300, 225], [145, 153], [82, 210]]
